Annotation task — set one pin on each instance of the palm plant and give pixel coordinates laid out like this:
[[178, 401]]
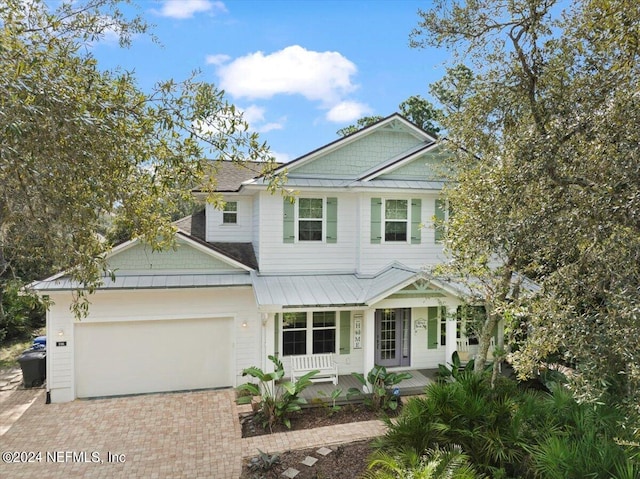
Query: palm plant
[[435, 463], [278, 398]]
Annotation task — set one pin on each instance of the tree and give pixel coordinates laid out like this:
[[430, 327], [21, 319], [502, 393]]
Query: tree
[[552, 187], [415, 108], [78, 143]]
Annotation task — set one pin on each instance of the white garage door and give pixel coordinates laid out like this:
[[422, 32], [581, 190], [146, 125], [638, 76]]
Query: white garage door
[[152, 356]]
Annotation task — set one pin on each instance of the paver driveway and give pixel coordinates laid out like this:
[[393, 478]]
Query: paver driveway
[[172, 435], [194, 435]]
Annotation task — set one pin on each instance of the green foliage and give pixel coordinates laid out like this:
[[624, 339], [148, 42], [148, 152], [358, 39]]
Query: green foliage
[[545, 147], [378, 388], [454, 369], [78, 143], [278, 398], [510, 432], [433, 464], [20, 311], [263, 462], [334, 395]]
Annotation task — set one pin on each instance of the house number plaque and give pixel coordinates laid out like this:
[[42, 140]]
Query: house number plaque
[[61, 343]]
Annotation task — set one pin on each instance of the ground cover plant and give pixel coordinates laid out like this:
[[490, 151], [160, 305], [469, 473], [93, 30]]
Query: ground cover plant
[[509, 432]]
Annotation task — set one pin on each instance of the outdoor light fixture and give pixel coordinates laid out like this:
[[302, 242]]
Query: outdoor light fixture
[[61, 332], [244, 324]]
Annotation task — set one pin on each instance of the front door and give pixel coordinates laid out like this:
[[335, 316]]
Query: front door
[[393, 337]]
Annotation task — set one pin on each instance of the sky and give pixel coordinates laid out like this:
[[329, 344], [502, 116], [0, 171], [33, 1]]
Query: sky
[[299, 70]]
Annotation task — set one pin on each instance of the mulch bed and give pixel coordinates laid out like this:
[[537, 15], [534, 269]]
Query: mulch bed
[[309, 418], [345, 461]]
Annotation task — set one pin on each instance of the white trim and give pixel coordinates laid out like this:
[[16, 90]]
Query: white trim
[[398, 164], [410, 127], [210, 252]]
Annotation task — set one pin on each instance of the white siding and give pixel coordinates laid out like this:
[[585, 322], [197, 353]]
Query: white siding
[[421, 355], [256, 225], [151, 305], [374, 257], [241, 232], [276, 256]]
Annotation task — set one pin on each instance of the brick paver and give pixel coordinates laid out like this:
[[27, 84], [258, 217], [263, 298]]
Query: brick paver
[[190, 435]]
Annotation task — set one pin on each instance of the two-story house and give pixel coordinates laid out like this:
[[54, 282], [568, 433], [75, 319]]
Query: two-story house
[[339, 269]]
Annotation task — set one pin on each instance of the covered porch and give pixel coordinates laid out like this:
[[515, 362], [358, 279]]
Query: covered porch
[[420, 378]]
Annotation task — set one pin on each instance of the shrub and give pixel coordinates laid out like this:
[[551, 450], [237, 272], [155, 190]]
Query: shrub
[[20, 312], [278, 398], [378, 387]]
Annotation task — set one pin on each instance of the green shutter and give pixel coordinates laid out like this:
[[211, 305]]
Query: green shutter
[[376, 220], [276, 329], [416, 220], [440, 218], [332, 220], [345, 332], [288, 221], [432, 327]]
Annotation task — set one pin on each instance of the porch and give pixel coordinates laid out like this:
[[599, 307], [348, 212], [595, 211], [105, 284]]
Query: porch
[[420, 378]]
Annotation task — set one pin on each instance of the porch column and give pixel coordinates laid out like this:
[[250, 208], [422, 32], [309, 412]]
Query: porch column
[[452, 341], [268, 342], [369, 340]]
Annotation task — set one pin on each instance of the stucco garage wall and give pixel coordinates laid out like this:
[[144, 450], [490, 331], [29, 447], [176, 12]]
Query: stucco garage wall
[[153, 306]]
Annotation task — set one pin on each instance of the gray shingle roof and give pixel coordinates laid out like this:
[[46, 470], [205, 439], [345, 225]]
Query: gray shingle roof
[[194, 227], [229, 175]]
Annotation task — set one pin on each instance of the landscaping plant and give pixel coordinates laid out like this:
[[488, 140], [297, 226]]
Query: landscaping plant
[[378, 388], [278, 398]]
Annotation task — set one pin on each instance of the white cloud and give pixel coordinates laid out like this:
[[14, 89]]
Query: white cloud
[[217, 59], [269, 127], [346, 111], [318, 76], [254, 116], [182, 9], [280, 157]]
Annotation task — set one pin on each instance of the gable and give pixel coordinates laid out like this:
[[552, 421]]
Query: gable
[[421, 288], [140, 257], [355, 158], [430, 165]]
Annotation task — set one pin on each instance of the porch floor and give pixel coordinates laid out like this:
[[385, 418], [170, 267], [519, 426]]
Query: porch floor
[[420, 378]]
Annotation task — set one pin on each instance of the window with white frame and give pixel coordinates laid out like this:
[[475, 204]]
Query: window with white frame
[[230, 213], [294, 333], [396, 220], [310, 219], [309, 333], [324, 332]]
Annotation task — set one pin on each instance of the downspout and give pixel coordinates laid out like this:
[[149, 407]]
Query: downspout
[[48, 360]]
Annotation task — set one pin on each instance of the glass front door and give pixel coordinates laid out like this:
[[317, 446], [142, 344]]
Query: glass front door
[[393, 337]]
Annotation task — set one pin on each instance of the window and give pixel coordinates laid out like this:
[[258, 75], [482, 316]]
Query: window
[[396, 218], [324, 332], [310, 219], [441, 217], [470, 321], [309, 333], [294, 333], [230, 213]]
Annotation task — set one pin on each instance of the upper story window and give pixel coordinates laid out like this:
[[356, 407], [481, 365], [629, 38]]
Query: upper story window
[[230, 213], [310, 219], [442, 216], [396, 221], [396, 216]]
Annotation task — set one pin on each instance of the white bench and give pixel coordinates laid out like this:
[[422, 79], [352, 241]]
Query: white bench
[[301, 365]]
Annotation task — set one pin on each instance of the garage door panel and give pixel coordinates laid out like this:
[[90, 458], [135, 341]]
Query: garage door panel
[[153, 356]]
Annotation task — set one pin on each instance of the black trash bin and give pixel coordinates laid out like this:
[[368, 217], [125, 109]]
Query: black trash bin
[[34, 366]]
